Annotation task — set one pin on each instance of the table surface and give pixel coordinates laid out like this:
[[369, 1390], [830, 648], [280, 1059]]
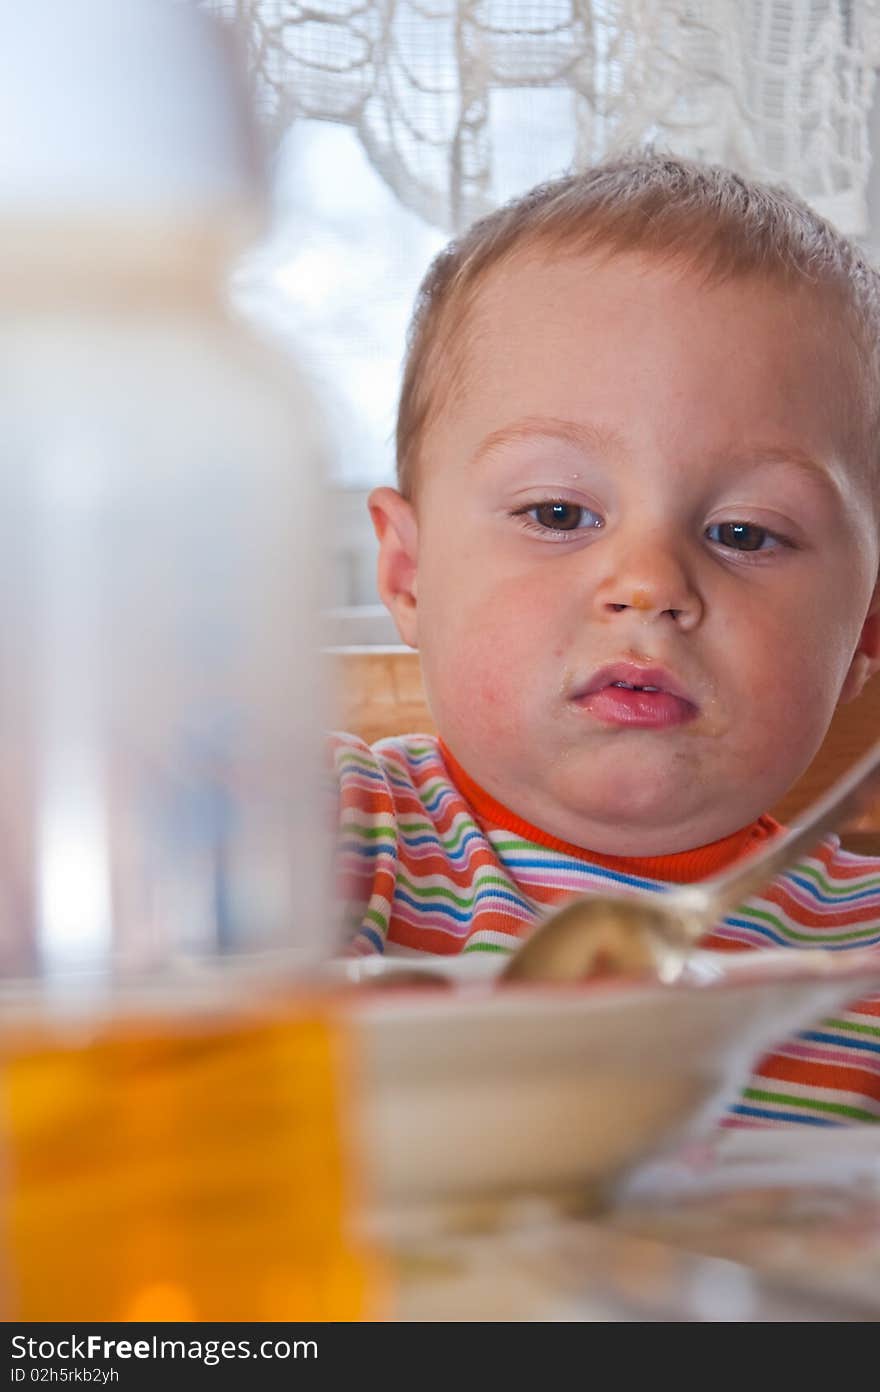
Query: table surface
[[792, 1237], [536, 1265]]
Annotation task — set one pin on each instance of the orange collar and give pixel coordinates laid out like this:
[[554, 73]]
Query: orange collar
[[683, 867]]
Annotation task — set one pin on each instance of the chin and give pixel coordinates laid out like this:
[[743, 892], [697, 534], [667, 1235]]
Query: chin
[[650, 833], [649, 815], [636, 788]]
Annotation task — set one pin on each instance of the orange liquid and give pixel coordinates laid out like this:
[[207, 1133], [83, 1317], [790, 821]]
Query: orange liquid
[[166, 1168]]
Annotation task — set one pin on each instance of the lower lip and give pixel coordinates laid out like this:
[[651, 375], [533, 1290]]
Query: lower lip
[[644, 710]]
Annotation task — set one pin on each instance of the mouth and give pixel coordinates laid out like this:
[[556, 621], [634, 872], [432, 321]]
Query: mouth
[[627, 694]]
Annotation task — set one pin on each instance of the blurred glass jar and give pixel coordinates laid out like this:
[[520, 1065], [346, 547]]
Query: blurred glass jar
[[171, 1117], [159, 546]]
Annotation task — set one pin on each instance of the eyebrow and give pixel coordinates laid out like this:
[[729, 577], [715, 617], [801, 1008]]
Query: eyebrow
[[543, 427], [789, 456]]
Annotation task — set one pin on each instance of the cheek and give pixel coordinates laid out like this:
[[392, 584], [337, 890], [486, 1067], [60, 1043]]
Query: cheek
[[800, 642], [788, 676], [484, 656], [815, 651]]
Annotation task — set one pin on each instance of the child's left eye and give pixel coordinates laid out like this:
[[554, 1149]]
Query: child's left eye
[[557, 515], [743, 536]]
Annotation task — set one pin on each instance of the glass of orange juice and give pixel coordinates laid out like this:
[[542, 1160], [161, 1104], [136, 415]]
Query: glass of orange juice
[[179, 1155]]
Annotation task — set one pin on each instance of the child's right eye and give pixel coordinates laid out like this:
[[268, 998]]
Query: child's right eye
[[557, 515]]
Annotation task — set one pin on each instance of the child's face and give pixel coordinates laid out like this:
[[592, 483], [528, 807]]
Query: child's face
[[646, 481]]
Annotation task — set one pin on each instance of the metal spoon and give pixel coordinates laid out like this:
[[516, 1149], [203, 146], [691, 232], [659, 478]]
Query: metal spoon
[[598, 935]]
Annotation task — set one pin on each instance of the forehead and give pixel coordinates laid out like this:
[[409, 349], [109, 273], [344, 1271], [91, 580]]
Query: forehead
[[653, 349], [631, 303]]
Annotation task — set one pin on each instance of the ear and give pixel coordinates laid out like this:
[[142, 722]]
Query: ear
[[394, 521], [866, 660]]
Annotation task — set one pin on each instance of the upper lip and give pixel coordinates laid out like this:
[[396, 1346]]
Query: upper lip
[[634, 674]]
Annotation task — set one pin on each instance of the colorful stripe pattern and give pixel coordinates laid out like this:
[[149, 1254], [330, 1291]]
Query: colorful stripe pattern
[[420, 872]]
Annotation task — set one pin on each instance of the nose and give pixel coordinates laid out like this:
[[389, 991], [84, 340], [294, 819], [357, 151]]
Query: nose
[[649, 578]]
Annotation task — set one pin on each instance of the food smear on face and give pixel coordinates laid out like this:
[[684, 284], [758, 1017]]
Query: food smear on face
[[640, 600]]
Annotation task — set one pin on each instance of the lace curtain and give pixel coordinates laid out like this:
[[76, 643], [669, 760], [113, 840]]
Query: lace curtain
[[448, 98]]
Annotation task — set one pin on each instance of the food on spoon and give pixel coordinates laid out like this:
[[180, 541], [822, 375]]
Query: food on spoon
[[591, 938]]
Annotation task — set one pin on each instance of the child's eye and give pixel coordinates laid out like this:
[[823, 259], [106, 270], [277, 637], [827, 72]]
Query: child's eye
[[556, 515], [743, 536]]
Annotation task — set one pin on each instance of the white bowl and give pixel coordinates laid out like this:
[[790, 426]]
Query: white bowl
[[483, 1090]]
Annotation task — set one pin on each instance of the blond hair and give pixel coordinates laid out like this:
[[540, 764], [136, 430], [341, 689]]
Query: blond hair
[[676, 209]]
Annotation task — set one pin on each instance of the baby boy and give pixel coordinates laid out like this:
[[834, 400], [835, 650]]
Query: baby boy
[[636, 540]]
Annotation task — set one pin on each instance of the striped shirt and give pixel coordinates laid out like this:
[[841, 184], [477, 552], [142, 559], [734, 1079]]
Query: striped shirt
[[429, 863]]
